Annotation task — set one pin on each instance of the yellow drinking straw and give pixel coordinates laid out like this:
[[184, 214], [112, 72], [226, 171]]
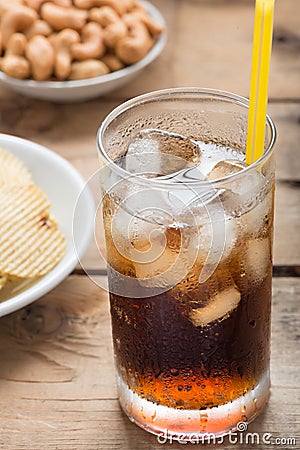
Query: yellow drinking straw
[[261, 55]]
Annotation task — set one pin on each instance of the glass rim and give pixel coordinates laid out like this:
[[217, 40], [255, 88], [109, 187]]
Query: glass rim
[[167, 94]]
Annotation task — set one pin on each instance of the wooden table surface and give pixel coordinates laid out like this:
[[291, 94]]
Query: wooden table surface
[[57, 388]]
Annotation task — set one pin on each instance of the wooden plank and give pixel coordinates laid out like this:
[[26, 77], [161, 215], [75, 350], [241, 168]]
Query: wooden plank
[[213, 46], [287, 213], [57, 377], [209, 45], [286, 117]]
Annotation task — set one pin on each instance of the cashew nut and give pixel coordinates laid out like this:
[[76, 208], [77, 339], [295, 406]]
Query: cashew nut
[[36, 4], [65, 3], [112, 62], [136, 45], [104, 15], [16, 20], [39, 27], [87, 69], [10, 5], [60, 18], [40, 54], [16, 45], [15, 66], [62, 43], [120, 6], [73, 39], [92, 45], [154, 28], [114, 27]]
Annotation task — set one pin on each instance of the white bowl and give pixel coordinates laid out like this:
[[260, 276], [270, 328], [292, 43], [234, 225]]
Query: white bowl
[[72, 91], [62, 184]]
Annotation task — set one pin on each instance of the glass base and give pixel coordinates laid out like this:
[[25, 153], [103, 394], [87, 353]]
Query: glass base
[[186, 424]]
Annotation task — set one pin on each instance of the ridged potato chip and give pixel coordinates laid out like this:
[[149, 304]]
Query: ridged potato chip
[[3, 279], [12, 170], [31, 243]]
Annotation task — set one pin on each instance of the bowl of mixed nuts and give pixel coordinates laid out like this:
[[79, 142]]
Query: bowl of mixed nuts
[[72, 50]]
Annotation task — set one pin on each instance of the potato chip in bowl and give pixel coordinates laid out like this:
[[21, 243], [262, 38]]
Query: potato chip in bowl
[[39, 192]]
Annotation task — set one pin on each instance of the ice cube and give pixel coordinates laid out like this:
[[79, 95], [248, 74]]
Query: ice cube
[[249, 187], [147, 240], [257, 259], [212, 154], [218, 308], [242, 194], [224, 168], [174, 144], [147, 233], [143, 157], [157, 266], [216, 241], [141, 212], [256, 221], [120, 231], [159, 272], [167, 260], [157, 153]]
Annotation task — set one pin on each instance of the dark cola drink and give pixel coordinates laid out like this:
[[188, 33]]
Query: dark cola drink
[[188, 230], [198, 346]]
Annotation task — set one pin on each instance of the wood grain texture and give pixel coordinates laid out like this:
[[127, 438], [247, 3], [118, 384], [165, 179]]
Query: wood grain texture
[[286, 117], [287, 225], [209, 45], [57, 388], [218, 52]]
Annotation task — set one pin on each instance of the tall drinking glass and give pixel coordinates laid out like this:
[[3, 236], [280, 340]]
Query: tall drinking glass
[[188, 230]]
